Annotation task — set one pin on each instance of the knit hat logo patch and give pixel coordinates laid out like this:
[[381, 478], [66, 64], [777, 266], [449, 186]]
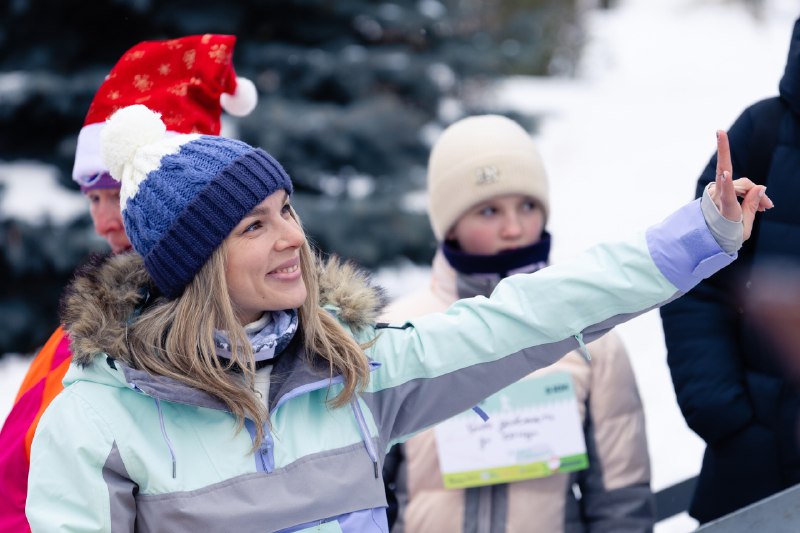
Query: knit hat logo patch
[[487, 175]]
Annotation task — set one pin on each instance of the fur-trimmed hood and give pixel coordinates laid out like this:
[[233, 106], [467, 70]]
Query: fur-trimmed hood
[[100, 301]]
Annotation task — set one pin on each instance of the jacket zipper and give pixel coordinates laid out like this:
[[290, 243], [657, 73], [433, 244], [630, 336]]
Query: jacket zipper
[[365, 436]]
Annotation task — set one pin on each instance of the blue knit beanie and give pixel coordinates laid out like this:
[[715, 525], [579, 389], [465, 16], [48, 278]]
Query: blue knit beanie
[[181, 195]]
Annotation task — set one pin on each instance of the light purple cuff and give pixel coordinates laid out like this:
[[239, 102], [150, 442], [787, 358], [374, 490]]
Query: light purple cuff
[[683, 248]]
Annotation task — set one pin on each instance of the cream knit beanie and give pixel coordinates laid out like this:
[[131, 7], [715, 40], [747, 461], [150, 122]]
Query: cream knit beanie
[[478, 158]]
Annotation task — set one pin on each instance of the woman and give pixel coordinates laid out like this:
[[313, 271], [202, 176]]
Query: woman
[[157, 71], [224, 323], [485, 234]]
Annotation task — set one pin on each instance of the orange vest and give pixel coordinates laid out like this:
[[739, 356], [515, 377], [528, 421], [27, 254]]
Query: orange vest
[[41, 384]]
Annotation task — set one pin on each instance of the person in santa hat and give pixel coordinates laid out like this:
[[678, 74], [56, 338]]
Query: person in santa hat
[[189, 80]]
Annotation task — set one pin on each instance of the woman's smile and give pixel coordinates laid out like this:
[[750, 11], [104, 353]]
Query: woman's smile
[[288, 271]]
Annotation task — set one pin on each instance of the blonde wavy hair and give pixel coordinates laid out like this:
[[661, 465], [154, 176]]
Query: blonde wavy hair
[[174, 338]]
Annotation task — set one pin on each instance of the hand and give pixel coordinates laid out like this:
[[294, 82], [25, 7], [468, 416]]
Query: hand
[[724, 190]]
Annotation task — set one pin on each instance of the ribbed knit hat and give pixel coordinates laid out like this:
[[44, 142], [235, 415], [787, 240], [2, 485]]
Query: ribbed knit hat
[[478, 158], [189, 80], [181, 195]]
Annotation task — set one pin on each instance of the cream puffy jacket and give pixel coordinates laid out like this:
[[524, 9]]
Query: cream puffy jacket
[[614, 492]]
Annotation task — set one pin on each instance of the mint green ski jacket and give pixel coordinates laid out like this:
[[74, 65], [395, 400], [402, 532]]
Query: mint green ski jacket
[[120, 450]]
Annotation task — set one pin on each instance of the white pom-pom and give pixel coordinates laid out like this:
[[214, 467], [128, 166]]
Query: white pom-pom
[[125, 132], [242, 101]]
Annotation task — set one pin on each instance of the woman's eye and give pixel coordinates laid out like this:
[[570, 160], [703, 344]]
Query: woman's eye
[[252, 227], [487, 211], [529, 206], [287, 209]]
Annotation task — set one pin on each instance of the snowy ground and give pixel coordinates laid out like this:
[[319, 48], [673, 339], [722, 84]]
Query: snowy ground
[[624, 144]]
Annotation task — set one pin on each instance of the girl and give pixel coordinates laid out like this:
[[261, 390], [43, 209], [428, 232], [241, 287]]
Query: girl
[[225, 380], [485, 234]]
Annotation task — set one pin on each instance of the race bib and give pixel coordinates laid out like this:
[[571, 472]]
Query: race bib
[[534, 430]]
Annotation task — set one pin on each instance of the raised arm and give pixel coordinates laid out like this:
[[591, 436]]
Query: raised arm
[[440, 364]]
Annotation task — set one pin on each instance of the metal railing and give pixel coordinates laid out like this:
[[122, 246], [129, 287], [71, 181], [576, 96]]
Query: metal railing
[[779, 513]]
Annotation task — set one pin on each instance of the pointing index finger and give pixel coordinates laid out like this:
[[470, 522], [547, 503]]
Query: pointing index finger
[[724, 191], [723, 154]]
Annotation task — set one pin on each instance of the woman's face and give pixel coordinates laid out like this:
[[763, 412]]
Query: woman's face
[[499, 224], [263, 260]]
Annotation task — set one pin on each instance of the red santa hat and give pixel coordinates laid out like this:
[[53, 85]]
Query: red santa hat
[[189, 81]]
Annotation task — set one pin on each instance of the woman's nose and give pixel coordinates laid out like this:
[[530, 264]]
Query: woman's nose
[[292, 235]]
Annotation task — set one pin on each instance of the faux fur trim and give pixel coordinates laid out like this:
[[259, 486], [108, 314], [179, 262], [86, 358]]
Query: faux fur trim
[[350, 289], [101, 299], [97, 304]]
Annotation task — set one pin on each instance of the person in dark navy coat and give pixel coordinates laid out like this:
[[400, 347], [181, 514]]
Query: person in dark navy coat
[[732, 387]]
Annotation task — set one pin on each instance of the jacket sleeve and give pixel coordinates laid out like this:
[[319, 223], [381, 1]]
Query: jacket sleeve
[[700, 331], [440, 364], [76, 481], [615, 489]]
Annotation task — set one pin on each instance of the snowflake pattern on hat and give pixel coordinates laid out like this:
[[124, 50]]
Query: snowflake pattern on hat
[[159, 75], [189, 81]]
